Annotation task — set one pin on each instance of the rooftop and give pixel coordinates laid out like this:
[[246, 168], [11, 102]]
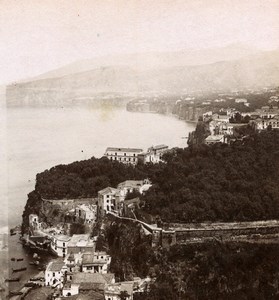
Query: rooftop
[[62, 237], [90, 258], [119, 287], [80, 240], [92, 278], [124, 149], [107, 190], [55, 266]]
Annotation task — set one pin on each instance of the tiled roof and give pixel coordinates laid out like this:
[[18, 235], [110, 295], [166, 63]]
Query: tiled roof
[[107, 190], [55, 266], [93, 278]]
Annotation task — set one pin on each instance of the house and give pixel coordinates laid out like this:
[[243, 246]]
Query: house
[[80, 243], [264, 123], [59, 244], [86, 282], [241, 100], [106, 200], [114, 291], [54, 274], [129, 186], [154, 154], [86, 213], [124, 155], [213, 139], [97, 262], [34, 221]]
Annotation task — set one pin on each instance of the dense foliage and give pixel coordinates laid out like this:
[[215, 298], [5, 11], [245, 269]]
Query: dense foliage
[[211, 270], [219, 182], [84, 178], [215, 271]]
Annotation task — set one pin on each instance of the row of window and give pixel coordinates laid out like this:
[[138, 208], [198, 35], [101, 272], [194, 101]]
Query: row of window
[[124, 159]]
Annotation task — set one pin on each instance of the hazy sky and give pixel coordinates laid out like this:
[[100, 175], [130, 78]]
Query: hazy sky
[[40, 35]]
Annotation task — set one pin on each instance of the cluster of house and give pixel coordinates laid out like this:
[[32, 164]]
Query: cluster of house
[[221, 128], [83, 268], [86, 271], [134, 155]]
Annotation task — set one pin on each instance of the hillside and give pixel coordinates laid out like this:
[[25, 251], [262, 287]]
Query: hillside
[[252, 71]]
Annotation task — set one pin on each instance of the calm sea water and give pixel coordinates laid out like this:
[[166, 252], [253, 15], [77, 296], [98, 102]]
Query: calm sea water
[[39, 138], [36, 139]]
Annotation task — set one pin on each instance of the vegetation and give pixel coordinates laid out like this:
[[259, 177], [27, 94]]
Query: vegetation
[[211, 270], [199, 183], [219, 182]]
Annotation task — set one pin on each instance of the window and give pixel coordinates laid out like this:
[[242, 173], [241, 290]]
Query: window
[[115, 153], [53, 274], [63, 244]]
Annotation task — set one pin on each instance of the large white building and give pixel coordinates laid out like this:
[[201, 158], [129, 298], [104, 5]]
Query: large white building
[[59, 244], [106, 200], [124, 155], [54, 274]]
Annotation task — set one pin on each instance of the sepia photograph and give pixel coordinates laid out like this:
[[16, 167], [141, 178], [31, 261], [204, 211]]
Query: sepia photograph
[[139, 149]]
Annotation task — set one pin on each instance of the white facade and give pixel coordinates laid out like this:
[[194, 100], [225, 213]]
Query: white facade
[[106, 199], [124, 155], [54, 274], [59, 244], [97, 262]]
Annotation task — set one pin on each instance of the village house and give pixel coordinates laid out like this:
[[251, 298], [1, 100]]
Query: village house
[[97, 262], [106, 200], [113, 291], [262, 123], [54, 274], [59, 244], [154, 154], [34, 222], [124, 155], [213, 139], [86, 213], [86, 282], [241, 100], [80, 243]]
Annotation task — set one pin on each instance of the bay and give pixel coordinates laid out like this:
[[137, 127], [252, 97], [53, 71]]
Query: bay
[[40, 138]]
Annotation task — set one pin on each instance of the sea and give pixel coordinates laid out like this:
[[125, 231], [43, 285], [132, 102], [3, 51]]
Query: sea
[[34, 139]]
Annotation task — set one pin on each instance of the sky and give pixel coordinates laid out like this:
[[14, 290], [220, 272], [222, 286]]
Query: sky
[[40, 35]]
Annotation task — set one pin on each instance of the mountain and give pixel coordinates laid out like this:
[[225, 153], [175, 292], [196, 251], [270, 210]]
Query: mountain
[[251, 71], [155, 60]]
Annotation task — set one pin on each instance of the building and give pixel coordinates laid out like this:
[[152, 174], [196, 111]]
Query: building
[[34, 221], [241, 100], [128, 186], [114, 291], [87, 282], [154, 154], [264, 123], [54, 274], [80, 243], [213, 139], [106, 200], [86, 213], [59, 244], [124, 155], [97, 262]]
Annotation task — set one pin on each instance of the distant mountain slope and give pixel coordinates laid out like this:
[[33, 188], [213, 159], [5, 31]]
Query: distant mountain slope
[[151, 60], [253, 71]]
